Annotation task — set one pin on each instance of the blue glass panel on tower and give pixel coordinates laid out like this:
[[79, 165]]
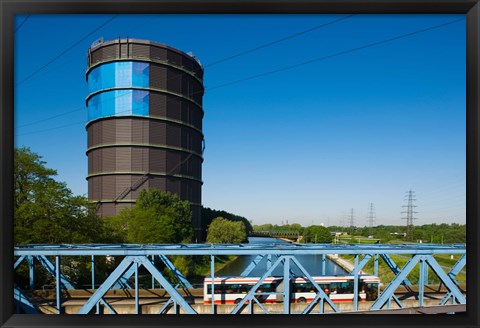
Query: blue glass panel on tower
[[101, 105], [140, 101], [140, 73], [125, 74], [93, 80], [102, 77], [118, 103], [123, 102]]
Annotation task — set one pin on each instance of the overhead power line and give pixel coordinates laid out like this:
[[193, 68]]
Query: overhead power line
[[65, 51], [52, 117], [279, 40], [71, 124], [49, 129], [284, 68], [225, 59], [23, 22], [73, 111], [335, 54]]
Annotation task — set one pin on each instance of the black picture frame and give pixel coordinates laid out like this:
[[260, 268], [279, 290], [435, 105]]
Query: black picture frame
[[471, 8]]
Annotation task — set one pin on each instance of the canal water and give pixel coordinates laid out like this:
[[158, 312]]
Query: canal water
[[312, 263]]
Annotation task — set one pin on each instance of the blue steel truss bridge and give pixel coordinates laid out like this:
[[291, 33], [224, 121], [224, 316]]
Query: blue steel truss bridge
[[276, 234], [175, 293]]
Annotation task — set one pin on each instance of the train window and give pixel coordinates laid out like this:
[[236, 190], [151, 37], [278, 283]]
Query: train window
[[243, 289], [371, 290], [305, 287], [333, 286], [322, 287], [228, 289], [217, 289], [343, 287], [234, 288], [267, 287]]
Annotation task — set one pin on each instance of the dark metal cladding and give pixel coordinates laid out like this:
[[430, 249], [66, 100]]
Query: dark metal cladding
[[160, 147]]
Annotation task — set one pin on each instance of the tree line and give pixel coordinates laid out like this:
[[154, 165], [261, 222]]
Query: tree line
[[47, 212], [427, 233], [310, 234]]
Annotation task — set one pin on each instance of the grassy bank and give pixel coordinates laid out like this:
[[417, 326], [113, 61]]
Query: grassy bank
[[386, 274]]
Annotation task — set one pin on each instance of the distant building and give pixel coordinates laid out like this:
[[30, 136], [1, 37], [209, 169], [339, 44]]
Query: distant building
[[144, 124], [402, 234]]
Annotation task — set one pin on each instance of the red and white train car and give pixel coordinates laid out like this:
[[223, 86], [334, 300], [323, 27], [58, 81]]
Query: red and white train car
[[338, 288], [231, 290]]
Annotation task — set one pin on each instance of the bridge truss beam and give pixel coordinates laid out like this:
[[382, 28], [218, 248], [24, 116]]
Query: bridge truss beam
[[136, 256]]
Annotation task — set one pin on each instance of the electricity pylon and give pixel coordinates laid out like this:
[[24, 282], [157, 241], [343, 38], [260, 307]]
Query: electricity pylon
[[409, 198]]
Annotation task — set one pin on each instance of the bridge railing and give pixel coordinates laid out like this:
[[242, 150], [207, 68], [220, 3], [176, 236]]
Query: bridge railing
[[135, 256], [275, 234]]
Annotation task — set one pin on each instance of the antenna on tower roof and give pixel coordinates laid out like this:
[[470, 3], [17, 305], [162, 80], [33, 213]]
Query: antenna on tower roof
[[191, 54], [97, 42]]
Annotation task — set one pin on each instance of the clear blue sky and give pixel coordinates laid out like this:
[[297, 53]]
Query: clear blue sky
[[304, 144]]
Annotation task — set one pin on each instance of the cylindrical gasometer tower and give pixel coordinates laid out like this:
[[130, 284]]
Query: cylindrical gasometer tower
[[144, 124]]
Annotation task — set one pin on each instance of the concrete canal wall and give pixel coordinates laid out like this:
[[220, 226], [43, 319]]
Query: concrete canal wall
[[151, 301], [344, 264], [149, 307]]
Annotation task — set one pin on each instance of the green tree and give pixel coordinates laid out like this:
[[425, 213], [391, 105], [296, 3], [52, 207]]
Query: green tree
[[365, 232], [455, 234], [223, 231], [317, 234], [263, 227], [46, 211], [157, 217], [295, 227], [209, 214]]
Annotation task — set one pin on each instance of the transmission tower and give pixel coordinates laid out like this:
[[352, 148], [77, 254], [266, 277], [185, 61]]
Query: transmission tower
[[371, 216], [410, 199]]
